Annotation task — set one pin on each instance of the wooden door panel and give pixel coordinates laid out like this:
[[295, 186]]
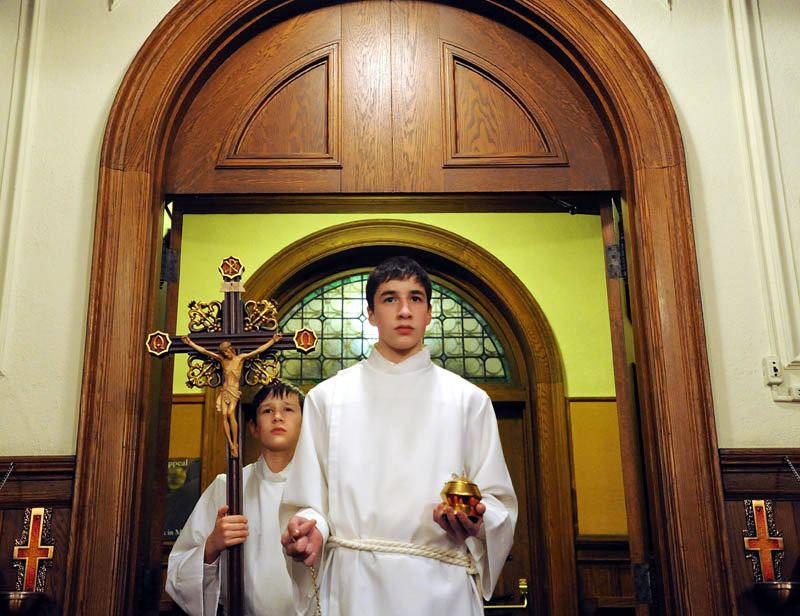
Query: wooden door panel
[[292, 121], [366, 97], [476, 98], [580, 153], [383, 96], [267, 119], [416, 100]]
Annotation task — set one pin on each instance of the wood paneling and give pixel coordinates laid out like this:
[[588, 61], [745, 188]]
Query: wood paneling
[[292, 121], [760, 474], [267, 117], [37, 481], [605, 583], [367, 96], [477, 94], [579, 154], [416, 101], [425, 97]]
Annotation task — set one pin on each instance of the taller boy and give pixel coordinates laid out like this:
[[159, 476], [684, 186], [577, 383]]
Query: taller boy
[[378, 442]]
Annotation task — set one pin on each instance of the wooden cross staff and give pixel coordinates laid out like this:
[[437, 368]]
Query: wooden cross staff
[[232, 343]]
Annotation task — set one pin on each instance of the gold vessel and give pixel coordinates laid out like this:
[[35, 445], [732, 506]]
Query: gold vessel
[[462, 495]]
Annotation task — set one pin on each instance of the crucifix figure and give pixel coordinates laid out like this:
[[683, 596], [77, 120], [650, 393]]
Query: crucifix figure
[[229, 391], [245, 333]]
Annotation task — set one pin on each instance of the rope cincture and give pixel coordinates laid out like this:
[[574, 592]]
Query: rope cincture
[[398, 547], [315, 583], [316, 589], [451, 557]]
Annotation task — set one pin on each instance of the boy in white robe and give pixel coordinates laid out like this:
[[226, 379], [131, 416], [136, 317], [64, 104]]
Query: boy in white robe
[[379, 441], [197, 563]]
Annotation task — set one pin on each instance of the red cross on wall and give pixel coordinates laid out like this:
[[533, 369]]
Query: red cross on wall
[[34, 552], [763, 544]]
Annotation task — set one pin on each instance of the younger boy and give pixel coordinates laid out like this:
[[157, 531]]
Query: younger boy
[[197, 562], [380, 439]]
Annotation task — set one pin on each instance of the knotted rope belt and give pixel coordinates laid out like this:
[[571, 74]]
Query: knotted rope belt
[[398, 547]]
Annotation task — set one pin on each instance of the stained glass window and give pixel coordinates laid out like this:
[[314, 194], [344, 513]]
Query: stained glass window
[[458, 337]]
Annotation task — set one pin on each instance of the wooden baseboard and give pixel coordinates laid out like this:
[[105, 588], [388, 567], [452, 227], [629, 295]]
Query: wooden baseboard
[[759, 473], [37, 481]]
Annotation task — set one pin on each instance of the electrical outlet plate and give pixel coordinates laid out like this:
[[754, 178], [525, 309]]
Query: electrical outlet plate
[[773, 371], [784, 381]]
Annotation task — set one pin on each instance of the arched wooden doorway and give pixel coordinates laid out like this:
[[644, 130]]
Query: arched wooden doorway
[[613, 74]]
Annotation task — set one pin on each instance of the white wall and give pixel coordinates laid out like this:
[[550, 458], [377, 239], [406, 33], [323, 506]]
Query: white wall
[[78, 54], [742, 147], [708, 54]]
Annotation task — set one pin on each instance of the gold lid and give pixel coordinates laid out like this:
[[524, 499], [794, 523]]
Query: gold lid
[[460, 486]]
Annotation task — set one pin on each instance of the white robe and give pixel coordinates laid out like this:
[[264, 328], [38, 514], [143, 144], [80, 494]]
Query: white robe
[[379, 440], [197, 587]]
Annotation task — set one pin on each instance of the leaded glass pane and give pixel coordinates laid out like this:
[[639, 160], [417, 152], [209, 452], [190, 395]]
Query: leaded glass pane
[[458, 337]]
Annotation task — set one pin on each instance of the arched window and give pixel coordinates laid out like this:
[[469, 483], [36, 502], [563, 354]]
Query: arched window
[[458, 337]]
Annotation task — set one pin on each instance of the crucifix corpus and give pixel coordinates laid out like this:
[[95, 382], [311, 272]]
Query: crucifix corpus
[[245, 337]]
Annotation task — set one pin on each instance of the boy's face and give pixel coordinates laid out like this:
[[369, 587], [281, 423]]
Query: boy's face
[[277, 424], [401, 315]]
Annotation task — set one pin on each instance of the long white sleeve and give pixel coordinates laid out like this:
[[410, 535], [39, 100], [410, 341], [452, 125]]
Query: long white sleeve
[[306, 494], [198, 588], [192, 584], [487, 468]]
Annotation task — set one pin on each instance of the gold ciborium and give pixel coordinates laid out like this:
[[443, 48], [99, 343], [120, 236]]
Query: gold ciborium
[[462, 495]]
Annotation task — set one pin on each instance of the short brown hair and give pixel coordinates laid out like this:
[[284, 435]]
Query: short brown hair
[[276, 389]]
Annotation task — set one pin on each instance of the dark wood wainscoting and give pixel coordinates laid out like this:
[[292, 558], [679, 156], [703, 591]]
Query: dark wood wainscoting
[[750, 474], [605, 584], [37, 481]]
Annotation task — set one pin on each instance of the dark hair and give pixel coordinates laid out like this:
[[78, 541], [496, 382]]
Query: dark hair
[[276, 389], [396, 268]]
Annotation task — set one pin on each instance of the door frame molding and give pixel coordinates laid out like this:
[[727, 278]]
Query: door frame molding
[[678, 428]]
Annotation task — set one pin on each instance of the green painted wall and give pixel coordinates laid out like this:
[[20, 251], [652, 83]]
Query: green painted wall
[[559, 258]]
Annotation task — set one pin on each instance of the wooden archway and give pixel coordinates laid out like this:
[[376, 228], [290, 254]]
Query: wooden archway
[[679, 437]]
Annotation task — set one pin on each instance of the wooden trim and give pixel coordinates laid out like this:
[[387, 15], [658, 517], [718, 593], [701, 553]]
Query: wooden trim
[[502, 392], [37, 481], [187, 398], [376, 203], [38, 467], [678, 430], [759, 473], [757, 458], [602, 549]]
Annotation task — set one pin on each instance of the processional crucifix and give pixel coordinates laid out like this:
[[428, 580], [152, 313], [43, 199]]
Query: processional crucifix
[[246, 337]]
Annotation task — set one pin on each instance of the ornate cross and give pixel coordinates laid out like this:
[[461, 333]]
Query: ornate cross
[[33, 553], [761, 540], [232, 343]]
